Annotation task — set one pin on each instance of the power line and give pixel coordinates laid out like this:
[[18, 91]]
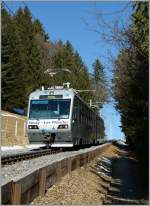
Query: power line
[[6, 6]]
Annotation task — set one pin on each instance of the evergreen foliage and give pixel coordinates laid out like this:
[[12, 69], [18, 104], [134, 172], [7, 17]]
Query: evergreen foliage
[[99, 82], [6, 53], [131, 82]]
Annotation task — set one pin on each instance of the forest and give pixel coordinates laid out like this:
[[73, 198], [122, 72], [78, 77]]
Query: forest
[[131, 82]]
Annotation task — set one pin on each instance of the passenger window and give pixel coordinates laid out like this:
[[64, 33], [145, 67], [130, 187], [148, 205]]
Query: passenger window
[[76, 111]]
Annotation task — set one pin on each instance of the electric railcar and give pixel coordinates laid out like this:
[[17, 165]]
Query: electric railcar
[[59, 117]]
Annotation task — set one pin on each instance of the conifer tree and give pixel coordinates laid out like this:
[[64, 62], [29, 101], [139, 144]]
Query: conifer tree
[[99, 82], [10, 55], [38, 29], [22, 59]]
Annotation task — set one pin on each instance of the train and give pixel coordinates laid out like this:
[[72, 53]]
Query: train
[[58, 116]]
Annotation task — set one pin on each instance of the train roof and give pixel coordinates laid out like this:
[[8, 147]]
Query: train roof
[[50, 91]]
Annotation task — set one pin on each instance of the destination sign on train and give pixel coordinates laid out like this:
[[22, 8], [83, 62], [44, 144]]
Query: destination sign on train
[[51, 96]]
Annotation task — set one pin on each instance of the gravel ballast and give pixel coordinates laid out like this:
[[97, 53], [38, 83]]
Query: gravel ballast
[[20, 169]]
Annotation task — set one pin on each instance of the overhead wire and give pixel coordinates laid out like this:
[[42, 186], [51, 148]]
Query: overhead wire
[[7, 7], [10, 11]]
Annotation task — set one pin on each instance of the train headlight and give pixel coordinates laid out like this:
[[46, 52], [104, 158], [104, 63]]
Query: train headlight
[[33, 127], [63, 126]]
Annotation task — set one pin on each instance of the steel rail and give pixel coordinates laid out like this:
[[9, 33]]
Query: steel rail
[[13, 158]]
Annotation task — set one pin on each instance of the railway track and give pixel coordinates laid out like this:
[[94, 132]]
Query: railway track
[[13, 158]]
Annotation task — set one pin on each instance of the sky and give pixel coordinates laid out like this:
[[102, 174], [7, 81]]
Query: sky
[[77, 22]]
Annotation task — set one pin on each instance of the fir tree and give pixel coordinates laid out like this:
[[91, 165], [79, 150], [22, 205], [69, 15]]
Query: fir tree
[[99, 82], [10, 56]]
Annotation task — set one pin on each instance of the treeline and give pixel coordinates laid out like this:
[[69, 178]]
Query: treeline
[[27, 52], [131, 81]]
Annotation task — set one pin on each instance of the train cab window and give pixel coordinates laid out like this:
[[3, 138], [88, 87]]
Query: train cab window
[[49, 109]]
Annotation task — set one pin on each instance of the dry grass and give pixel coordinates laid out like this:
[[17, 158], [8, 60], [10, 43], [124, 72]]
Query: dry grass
[[114, 152]]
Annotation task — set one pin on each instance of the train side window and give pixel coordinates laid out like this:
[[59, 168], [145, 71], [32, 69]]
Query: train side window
[[88, 116], [80, 112], [75, 109]]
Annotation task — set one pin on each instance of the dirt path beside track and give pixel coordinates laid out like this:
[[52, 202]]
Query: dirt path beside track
[[127, 181]]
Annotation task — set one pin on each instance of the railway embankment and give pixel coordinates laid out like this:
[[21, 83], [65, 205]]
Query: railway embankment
[[25, 180], [106, 174], [111, 178]]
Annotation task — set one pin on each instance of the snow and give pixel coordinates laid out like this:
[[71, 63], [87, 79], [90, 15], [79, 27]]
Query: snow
[[121, 142], [17, 147]]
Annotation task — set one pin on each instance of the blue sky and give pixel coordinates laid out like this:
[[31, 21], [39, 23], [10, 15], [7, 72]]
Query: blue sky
[[66, 21]]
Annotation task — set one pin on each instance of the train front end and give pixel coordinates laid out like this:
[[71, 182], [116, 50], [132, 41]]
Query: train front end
[[49, 117]]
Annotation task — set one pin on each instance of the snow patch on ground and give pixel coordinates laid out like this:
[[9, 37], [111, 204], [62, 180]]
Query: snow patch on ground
[[17, 147], [34, 146], [121, 142]]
